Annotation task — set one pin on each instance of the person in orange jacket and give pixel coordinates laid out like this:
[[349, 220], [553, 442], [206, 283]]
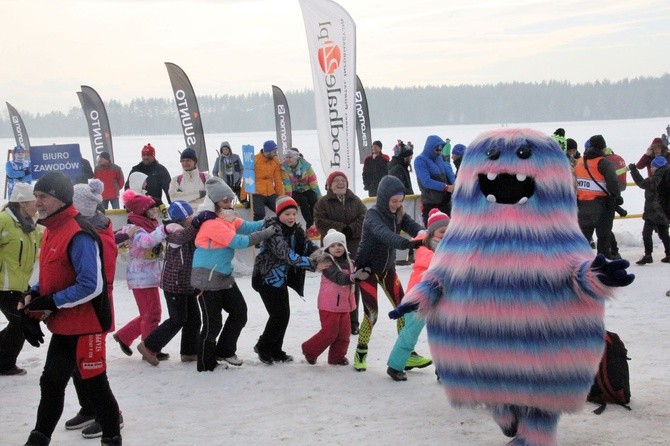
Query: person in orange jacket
[[269, 184]]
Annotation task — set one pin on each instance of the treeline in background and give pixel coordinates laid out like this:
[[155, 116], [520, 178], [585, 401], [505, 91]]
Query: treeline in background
[[517, 102]]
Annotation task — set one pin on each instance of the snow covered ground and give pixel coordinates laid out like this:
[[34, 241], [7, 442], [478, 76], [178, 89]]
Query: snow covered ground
[[302, 404]]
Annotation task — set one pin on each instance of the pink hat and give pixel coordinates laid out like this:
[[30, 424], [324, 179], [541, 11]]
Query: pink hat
[[137, 204], [436, 220]]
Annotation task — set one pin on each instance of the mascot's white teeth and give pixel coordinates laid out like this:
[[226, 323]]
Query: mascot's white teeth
[[506, 188], [491, 198], [491, 176], [522, 201], [520, 177]]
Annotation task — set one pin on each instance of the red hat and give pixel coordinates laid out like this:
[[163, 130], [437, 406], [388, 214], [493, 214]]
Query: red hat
[[148, 150], [136, 203], [436, 220], [332, 176], [283, 203]]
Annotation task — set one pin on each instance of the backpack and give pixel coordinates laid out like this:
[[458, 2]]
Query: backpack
[[611, 384], [180, 177]]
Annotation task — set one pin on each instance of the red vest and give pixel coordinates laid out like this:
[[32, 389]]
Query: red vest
[[57, 273]]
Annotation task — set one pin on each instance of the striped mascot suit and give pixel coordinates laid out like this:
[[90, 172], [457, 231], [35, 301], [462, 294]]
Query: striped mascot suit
[[514, 299]]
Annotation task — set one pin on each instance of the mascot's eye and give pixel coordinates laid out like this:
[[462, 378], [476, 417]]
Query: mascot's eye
[[523, 152], [493, 154]]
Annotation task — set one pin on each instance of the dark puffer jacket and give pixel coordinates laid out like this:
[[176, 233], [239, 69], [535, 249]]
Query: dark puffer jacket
[[331, 212], [381, 229], [653, 211]]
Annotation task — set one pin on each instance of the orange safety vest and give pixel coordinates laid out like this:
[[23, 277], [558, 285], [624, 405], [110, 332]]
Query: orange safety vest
[[587, 188]]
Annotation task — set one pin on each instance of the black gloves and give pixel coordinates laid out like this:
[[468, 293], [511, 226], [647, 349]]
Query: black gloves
[[632, 167], [40, 307], [31, 330], [414, 244], [619, 200], [201, 218], [402, 309]]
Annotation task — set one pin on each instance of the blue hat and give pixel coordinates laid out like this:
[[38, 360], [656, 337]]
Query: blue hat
[[18, 149], [659, 161], [180, 210], [188, 153], [269, 146], [458, 149]]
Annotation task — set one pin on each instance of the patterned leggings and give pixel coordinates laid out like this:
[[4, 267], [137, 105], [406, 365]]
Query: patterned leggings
[[390, 283]]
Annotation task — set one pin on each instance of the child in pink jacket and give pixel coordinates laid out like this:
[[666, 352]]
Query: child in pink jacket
[[335, 302]]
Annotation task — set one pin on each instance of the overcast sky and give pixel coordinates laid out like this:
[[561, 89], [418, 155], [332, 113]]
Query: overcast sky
[[119, 47]]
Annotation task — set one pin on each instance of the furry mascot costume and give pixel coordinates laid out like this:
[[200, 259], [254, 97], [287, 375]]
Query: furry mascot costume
[[514, 299]]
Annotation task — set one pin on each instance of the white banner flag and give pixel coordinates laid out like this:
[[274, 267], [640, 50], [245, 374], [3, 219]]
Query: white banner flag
[[331, 39]]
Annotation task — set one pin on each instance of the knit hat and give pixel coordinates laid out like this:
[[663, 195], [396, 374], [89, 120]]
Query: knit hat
[[225, 144], [180, 210], [333, 175], [87, 197], [659, 161], [436, 220], [56, 184], [655, 141], [571, 144], [138, 204], [217, 190], [22, 192], [148, 150], [283, 203], [18, 149], [597, 142], [105, 155], [188, 154], [334, 236], [269, 146], [377, 143], [292, 153], [459, 150]]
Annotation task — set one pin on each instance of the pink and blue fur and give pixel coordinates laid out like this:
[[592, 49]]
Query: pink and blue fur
[[513, 309]]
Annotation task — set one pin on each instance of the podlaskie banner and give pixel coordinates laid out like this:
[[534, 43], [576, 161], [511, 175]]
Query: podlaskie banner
[[19, 129], [189, 114], [331, 40], [98, 123], [282, 120], [363, 127]]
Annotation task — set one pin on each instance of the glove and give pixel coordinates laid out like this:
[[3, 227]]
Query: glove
[[402, 309], [414, 244], [26, 171], [171, 228], [202, 193], [31, 330], [202, 217], [348, 232], [162, 210], [619, 200], [40, 307], [612, 273], [256, 237], [361, 274], [632, 167]]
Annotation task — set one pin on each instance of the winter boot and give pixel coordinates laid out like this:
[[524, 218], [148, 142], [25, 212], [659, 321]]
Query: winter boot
[[37, 438], [265, 357], [147, 354], [79, 421], [361, 358], [124, 348], [396, 375], [666, 259], [116, 441], [416, 361], [645, 259], [282, 357]]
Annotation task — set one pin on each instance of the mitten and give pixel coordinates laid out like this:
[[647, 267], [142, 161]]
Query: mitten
[[348, 232], [632, 167], [361, 274], [246, 204], [256, 237], [402, 309], [619, 200], [172, 228], [612, 273], [414, 244], [40, 307], [31, 330], [201, 218]]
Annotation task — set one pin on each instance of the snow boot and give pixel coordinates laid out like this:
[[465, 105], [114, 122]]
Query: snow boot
[[361, 358], [645, 259], [147, 354], [116, 441], [396, 375], [37, 438], [79, 421]]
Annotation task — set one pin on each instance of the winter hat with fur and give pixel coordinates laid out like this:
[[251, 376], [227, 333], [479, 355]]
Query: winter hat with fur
[[180, 210], [334, 236], [56, 184], [436, 220], [22, 192], [217, 190], [87, 197], [136, 203], [283, 203]]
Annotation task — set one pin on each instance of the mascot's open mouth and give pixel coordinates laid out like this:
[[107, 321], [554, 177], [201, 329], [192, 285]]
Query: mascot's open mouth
[[505, 188]]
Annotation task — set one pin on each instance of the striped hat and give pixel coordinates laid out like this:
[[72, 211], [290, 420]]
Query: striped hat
[[283, 203], [436, 220], [180, 210]]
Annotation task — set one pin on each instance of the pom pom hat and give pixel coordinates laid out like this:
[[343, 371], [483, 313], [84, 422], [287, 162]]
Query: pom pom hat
[[436, 220], [659, 161], [136, 203], [334, 236], [148, 150], [284, 203], [87, 197], [22, 192], [56, 184], [180, 210]]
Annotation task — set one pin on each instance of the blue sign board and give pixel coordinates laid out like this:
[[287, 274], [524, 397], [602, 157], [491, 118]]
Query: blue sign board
[[64, 158], [249, 172]]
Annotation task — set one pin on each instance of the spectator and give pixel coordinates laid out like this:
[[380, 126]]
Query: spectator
[[18, 169], [435, 177], [572, 151], [85, 174], [457, 156], [158, 178], [400, 165], [229, 168], [559, 137], [375, 167], [189, 186], [269, 184], [342, 210], [111, 176], [301, 184], [655, 149]]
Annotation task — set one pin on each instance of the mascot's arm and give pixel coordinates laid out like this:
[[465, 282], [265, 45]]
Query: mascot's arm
[[420, 298], [597, 277]]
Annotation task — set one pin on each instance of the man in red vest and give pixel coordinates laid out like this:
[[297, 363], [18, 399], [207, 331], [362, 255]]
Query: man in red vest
[[71, 298]]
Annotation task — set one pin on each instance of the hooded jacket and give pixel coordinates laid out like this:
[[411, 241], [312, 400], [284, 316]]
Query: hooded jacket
[[433, 173]]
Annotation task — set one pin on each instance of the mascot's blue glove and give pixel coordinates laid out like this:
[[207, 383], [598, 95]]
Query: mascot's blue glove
[[201, 218], [612, 273], [402, 309]]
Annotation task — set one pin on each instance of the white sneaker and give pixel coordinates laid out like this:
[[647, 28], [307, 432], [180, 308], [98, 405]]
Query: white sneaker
[[234, 360]]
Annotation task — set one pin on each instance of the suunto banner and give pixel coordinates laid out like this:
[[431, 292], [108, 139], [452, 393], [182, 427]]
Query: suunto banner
[[19, 129], [98, 122], [331, 40], [282, 120], [363, 128], [189, 114]]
